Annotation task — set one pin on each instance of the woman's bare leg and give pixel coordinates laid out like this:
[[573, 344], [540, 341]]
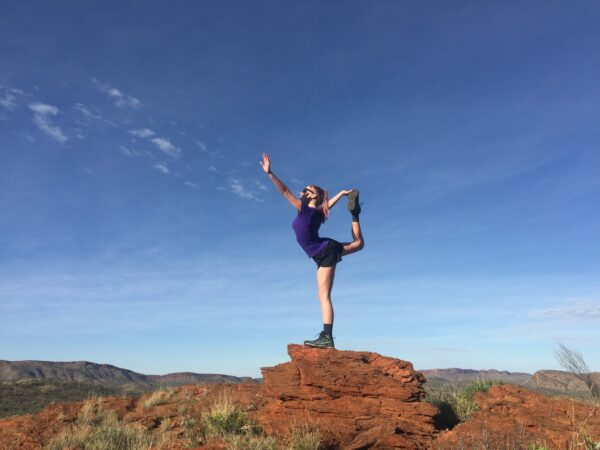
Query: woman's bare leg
[[325, 277], [357, 244]]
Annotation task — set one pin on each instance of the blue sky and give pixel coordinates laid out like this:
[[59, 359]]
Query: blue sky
[[137, 228]]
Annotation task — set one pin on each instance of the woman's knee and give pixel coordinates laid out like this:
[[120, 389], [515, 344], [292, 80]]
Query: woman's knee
[[360, 244], [324, 297]]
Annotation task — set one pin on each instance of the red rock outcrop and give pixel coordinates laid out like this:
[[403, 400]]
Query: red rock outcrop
[[513, 417], [357, 400]]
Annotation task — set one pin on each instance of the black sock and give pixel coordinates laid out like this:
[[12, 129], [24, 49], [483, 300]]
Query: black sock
[[327, 329]]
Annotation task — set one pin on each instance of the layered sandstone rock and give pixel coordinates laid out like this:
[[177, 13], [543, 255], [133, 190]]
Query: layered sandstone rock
[[357, 400], [513, 417]]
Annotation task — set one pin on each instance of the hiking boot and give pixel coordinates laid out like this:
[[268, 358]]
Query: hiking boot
[[353, 205], [323, 341]]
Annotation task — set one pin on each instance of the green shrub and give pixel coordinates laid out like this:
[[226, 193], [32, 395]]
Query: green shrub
[[457, 405], [225, 418]]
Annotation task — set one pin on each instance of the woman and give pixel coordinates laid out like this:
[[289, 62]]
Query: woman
[[313, 207]]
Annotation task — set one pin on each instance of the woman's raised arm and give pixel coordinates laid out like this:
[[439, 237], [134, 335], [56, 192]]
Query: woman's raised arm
[[281, 187], [333, 200]]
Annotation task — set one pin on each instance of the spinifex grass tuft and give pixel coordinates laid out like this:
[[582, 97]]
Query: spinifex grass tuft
[[457, 405], [99, 429]]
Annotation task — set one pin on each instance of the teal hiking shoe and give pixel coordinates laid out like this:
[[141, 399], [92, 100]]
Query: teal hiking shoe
[[323, 341], [353, 205]]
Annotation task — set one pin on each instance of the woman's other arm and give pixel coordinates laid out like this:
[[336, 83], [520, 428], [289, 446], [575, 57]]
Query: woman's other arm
[[281, 187], [333, 200]]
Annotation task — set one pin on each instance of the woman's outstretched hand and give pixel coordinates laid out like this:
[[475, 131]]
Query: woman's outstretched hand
[[265, 163], [346, 192]]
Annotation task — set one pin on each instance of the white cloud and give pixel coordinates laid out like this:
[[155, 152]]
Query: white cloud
[[165, 146], [213, 169], [8, 101], [202, 145], [85, 111], [261, 186], [42, 108], [91, 116], [190, 184], [42, 119], [142, 133], [578, 310], [122, 100], [129, 151], [162, 168], [238, 189], [8, 97]]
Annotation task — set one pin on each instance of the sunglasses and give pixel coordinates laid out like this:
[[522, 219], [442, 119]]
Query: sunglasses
[[305, 190]]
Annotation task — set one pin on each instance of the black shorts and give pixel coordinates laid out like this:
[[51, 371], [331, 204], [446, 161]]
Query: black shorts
[[330, 255]]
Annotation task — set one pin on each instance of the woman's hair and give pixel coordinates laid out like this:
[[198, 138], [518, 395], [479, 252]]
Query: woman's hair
[[323, 200]]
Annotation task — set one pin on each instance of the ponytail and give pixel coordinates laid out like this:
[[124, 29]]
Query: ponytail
[[323, 196]]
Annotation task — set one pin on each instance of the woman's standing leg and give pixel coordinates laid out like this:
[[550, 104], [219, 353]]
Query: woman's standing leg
[[325, 277]]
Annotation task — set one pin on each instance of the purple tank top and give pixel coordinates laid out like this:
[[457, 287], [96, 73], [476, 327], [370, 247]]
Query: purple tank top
[[306, 225]]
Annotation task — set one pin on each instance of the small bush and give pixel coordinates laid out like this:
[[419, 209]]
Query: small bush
[[225, 418], [305, 439], [457, 405]]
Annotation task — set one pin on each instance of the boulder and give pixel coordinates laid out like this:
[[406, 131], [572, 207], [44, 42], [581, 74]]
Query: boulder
[[357, 400], [513, 417]]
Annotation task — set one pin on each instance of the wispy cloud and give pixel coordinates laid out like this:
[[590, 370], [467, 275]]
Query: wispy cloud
[[86, 112], [240, 190], [165, 146], [142, 133], [130, 151], [90, 116], [122, 100], [8, 97], [577, 310], [261, 186], [161, 167], [42, 118], [190, 184]]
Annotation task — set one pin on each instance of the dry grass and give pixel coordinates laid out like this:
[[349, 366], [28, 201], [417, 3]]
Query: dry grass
[[158, 398], [305, 439], [99, 429]]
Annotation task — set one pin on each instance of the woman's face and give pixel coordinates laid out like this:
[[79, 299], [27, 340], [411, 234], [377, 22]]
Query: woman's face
[[309, 192]]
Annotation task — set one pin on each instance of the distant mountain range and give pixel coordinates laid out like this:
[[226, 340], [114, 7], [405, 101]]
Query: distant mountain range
[[552, 381], [443, 376], [104, 374], [110, 376]]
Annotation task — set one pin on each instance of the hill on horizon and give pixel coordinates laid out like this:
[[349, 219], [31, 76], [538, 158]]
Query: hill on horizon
[[104, 374]]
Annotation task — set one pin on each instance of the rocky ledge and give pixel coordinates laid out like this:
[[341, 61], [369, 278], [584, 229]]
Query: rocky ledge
[[512, 417], [356, 399]]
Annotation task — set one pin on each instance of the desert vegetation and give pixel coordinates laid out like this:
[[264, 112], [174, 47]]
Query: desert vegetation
[[573, 361], [32, 395], [98, 427], [225, 420], [456, 403]]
